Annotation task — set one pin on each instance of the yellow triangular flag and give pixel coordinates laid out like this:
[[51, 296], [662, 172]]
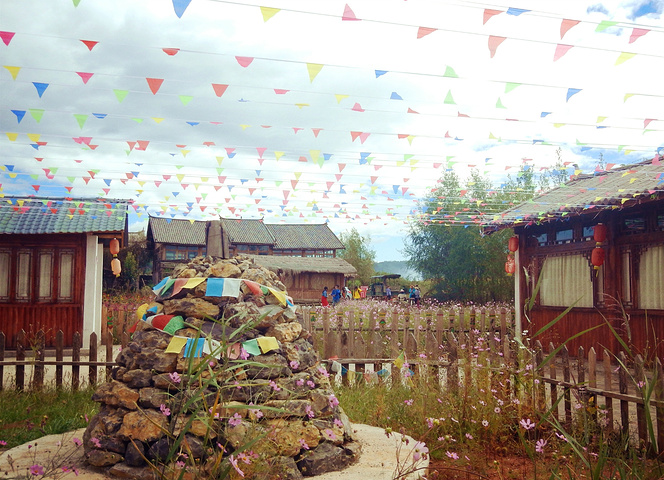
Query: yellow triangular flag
[[269, 12], [279, 155], [340, 97], [314, 69], [157, 119], [12, 136], [624, 56], [34, 137], [13, 71], [400, 360], [244, 127], [627, 95]]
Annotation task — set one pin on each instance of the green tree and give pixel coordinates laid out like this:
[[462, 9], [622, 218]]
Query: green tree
[[359, 254], [460, 262]]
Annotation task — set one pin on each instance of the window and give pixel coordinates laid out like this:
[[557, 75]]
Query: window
[[660, 221], [564, 236], [181, 252], [45, 276], [588, 233], [65, 275], [565, 280], [651, 280], [24, 276], [627, 278], [634, 225], [5, 258]]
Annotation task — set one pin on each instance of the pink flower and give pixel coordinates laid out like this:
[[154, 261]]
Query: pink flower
[[234, 463], [452, 455], [310, 413], [338, 423], [244, 457], [243, 353], [274, 386], [95, 441], [539, 446], [3, 443], [77, 441], [303, 444], [408, 402], [329, 434], [36, 470], [175, 377], [299, 382], [164, 409], [323, 372], [294, 364], [179, 464], [235, 420], [527, 424], [485, 423], [311, 384], [334, 402], [420, 450]]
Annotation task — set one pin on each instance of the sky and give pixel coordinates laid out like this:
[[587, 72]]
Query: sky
[[344, 112]]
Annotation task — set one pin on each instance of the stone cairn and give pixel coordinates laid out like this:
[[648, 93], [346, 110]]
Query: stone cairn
[[272, 415]]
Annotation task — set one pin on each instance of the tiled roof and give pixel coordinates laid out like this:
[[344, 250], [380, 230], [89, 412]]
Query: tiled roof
[[306, 237], [247, 231], [47, 215], [588, 194], [176, 232], [285, 264]]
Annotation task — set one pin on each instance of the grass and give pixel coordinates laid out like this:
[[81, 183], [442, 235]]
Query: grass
[[26, 416]]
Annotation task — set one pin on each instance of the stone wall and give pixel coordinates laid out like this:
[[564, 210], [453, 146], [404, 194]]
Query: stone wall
[[270, 414]]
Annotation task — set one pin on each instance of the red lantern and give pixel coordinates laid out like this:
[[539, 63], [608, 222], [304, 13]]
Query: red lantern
[[510, 266], [513, 244], [115, 247], [597, 257], [599, 233]]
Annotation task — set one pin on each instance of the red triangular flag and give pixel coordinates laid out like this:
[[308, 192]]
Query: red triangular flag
[[488, 13], [424, 31], [494, 42], [244, 61], [7, 37], [219, 89], [85, 76], [90, 44], [155, 84], [171, 51], [561, 50], [566, 25]]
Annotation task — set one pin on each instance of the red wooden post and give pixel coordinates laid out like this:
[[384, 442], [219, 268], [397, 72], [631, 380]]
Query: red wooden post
[[76, 359], [59, 355], [92, 369], [40, 345], [20, 356]]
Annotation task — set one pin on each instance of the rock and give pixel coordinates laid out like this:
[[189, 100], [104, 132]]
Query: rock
[[121, 470], [191, 307], [283, 468], [326, 458], [320, 402], [196, 427], [152, 397], [100, 458], [116, 394], [149, 336], [159, 450], [269, 315], [274, 366], [300, 353], [224, 270], [103, 440], [289, 408], [145, 425], [188, 273], [285, 332], [137, 378], [134, 454], [193, 446], [287, 435]]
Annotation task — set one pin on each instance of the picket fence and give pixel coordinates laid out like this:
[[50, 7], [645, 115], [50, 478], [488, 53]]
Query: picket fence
[[447, 345]]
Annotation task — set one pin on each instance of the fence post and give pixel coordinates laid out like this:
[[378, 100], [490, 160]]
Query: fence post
[[75, 358], [622, 387], [566, 387], [540, 391], [608, 380], [554, 387], [59, 356], [592, 381], [2, 357], [109, 353], [453, 364], [659, 411], [92, 369], [20, 356], [640, 378]]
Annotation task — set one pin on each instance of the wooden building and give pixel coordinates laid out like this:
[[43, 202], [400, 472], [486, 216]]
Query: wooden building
[[51, 261], [556, 240], [303, 255]]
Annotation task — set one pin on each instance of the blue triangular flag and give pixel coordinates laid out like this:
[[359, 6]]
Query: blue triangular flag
[[41, 87], [180, 6], [572, 91], [395, 96], [380, 72], [19, 114]]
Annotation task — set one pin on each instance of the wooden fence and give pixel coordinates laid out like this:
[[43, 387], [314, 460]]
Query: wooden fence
[[451, 346]]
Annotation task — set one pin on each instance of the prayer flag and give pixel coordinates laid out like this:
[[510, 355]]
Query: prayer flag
[[176, 344]]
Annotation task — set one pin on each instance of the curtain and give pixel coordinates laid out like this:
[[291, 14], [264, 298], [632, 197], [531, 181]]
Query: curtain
[[66, 271], [651, 278], [564, 280], [4, 274]]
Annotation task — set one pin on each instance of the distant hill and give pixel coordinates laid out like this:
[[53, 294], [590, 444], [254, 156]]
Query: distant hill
[[395, 266]]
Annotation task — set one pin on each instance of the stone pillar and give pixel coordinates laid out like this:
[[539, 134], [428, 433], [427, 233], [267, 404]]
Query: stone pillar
[[213, 239]]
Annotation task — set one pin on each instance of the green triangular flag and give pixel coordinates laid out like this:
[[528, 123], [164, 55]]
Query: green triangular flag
[[185, 99], [509, 86], [604, 24], [81, 119], [448, 98], [449, 72], [120, 94], [499, 103], [37, 114]]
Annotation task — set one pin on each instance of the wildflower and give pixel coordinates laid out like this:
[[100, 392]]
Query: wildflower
[[255, 412], [452, 455], [497, 409], [641, 384], [36, 470], [423, 356], [311, 384], [303, 444], [516, 401], [310, 413], [234, 464], [274, 386], [235, 420], [408, 402], [299, 382], [469, 436], [244, 457], [420, 450], [429, 422], [3, 443], [175, 377], [77, 441], [244, 355], [95, 441], [329, 434], [294, 364], [338, 423], [179, 464], [561, 436], [334, 402], [539, 446], [527, 423], [164, 409], [323, 372]]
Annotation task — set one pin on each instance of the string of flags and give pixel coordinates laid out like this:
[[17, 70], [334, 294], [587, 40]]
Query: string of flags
[[372, 377]]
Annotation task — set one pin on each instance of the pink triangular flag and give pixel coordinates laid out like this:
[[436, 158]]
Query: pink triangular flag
[[424, 31], [647, 121], [7, 37], [219, 89], [171, 51], [637, 33], [566, 25], [357, 108], [244, 61], [316, 131], [155, 84], [280, 91], [261, 151], [85, 76], [561, 50], [354, 135], [349, 15], [364, 136], [488, 13], [494, 42]]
